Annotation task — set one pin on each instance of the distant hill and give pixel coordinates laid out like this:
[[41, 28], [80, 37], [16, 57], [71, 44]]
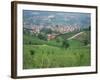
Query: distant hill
[[46, 18]]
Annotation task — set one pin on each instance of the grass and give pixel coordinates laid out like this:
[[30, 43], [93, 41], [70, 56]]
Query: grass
[[39, 53], [68, 35], [46, 56]]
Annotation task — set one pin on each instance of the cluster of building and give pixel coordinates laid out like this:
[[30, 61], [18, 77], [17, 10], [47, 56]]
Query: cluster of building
[[61, 29], [57, 28], [66, 28]]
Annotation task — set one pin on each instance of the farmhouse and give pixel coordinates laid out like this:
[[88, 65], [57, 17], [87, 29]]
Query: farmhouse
[[51, 36]]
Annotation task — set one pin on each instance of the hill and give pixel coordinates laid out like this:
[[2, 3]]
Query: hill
[[46, 18]]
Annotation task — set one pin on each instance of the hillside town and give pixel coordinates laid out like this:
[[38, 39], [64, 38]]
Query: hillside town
[[58, 28]]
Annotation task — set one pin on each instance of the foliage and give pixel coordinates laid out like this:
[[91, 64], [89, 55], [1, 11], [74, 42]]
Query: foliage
[[68, 35], [46, 30], [87, 29], [65, 44], [42, 36], [32, 52], [59, 39]]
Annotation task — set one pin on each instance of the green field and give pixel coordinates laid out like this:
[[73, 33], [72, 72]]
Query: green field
[[50, 54], [45, 56]]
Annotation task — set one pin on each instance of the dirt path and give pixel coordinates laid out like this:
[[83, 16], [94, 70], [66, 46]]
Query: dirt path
[[75, 35]]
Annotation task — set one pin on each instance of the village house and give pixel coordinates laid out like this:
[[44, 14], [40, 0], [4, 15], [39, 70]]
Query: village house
[[51, 36]]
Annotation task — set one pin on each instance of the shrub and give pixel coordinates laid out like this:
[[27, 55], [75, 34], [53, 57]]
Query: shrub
[[32, 52], [59, 39], [42, 36], [65, 44], [85, 42]]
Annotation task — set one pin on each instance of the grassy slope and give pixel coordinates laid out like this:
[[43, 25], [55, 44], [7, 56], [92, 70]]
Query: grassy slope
[[68, 35], [48, 54]]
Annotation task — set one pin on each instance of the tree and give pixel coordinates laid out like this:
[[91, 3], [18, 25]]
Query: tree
[[30, 42], [46, 30], [65, 44], [89, 28], [86, 42], [59, 39], [32, 52], [42, 36]]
